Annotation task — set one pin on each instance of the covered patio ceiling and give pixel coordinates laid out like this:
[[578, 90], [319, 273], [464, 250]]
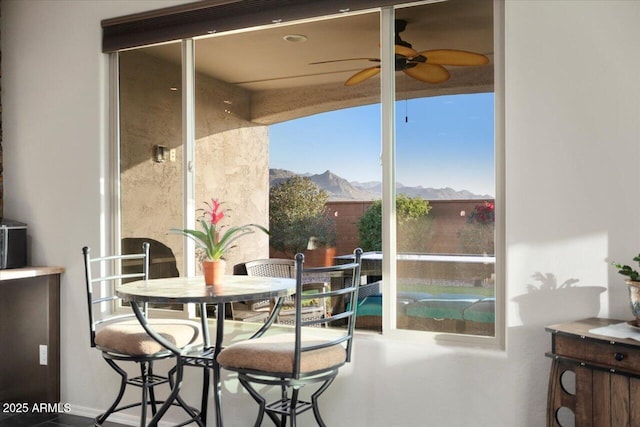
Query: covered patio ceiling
[[284, 82]]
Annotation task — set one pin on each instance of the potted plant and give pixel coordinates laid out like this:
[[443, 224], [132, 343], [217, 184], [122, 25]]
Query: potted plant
[[321, 243], [633, 283], [214, 241]]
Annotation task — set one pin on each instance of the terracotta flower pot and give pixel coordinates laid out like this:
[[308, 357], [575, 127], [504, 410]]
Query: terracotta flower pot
[[320, 257], [213, 272]]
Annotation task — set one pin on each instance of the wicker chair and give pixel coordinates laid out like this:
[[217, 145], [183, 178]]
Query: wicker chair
[[120, 337], [300, 356], [274, 267]]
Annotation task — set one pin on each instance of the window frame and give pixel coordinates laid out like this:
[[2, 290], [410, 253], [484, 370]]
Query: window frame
[[111, 192]]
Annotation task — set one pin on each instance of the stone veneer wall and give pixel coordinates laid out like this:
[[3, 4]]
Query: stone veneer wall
[[1, 158]]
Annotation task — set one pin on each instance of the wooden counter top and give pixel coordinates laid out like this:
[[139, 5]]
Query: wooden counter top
[[26, 272]]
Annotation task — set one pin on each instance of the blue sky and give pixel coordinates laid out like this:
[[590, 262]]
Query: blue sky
[[444, 141]]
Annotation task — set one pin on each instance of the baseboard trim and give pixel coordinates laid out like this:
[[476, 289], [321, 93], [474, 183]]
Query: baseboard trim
[[120, 418]]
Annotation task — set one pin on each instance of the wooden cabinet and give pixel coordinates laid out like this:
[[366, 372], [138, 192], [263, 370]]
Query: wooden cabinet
[[605, 388], [29, 319]]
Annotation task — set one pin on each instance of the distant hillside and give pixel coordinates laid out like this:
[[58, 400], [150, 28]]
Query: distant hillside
[[340, 189], [428, 193], [337, 188], [276, 176]]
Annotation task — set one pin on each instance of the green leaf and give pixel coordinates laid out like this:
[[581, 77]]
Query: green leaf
[[197, 236], [207, 239]]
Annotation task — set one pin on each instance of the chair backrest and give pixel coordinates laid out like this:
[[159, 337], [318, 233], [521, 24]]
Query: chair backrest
[[271, 267], [100, 286], [349, 275]]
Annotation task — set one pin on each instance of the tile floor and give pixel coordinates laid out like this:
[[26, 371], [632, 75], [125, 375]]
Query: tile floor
[[49, 420]]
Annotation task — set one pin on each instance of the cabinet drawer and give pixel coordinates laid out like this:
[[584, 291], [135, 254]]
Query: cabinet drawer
[[603, 353]]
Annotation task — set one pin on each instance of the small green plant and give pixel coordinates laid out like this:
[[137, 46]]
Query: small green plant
[[412, 221], [626, 270]]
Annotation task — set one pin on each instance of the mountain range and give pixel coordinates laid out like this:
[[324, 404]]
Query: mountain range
[[339, 189]]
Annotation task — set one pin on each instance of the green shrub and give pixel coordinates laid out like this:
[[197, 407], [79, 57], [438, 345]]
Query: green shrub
[[477, 236], [297, 213], [370, 228], [412, 224]]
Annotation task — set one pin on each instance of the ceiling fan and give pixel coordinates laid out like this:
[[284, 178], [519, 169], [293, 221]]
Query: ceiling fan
[[426, 66]]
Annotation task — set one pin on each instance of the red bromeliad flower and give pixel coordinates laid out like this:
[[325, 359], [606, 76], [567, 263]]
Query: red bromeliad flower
[[483, 214], [215, 215], [210, 240]]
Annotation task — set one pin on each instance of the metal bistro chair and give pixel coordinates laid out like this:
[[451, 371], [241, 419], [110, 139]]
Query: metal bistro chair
[[300, 357], [276, 267], [121, 338]]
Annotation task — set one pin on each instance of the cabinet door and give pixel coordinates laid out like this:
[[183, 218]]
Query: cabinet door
[[29, 318], [601, 401]]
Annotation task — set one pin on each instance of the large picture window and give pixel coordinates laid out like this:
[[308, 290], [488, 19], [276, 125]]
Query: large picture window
[[306, 100]]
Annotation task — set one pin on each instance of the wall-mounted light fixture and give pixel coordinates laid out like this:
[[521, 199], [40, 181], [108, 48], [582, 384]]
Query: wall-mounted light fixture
[[160, 153]]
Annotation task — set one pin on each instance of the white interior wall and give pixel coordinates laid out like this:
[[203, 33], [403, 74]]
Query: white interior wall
[[572, 145]]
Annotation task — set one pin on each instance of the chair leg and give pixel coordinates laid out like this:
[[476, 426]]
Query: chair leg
[[123, 385], [261, 403], [206, 378], [152, 392], [193, 414], [172, 396], [284, 397], [314, 400], [293, 403], [144, 374]]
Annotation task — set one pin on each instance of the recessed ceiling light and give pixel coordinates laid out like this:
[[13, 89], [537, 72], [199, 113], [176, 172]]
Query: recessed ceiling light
[[295, 38]]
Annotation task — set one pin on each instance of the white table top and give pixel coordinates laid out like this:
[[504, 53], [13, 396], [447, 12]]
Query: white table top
[[181, 290]]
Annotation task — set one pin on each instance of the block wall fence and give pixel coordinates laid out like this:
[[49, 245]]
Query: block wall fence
[[448, 217]]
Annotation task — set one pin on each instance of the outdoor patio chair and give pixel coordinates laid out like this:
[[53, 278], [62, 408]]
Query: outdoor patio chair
[[259, 310], [299, 356], [118, 335], [276, 267]]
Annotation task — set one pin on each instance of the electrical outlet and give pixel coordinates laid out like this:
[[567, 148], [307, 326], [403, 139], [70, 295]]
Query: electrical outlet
[[43, 354], [172, 155]]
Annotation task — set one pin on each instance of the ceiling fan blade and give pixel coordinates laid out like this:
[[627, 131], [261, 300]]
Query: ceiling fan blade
[[430, 73], [454, 57], [405, 51], [362, 75], [343, 60]]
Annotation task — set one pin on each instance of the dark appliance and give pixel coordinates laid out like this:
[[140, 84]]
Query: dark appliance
[[13, 244]]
